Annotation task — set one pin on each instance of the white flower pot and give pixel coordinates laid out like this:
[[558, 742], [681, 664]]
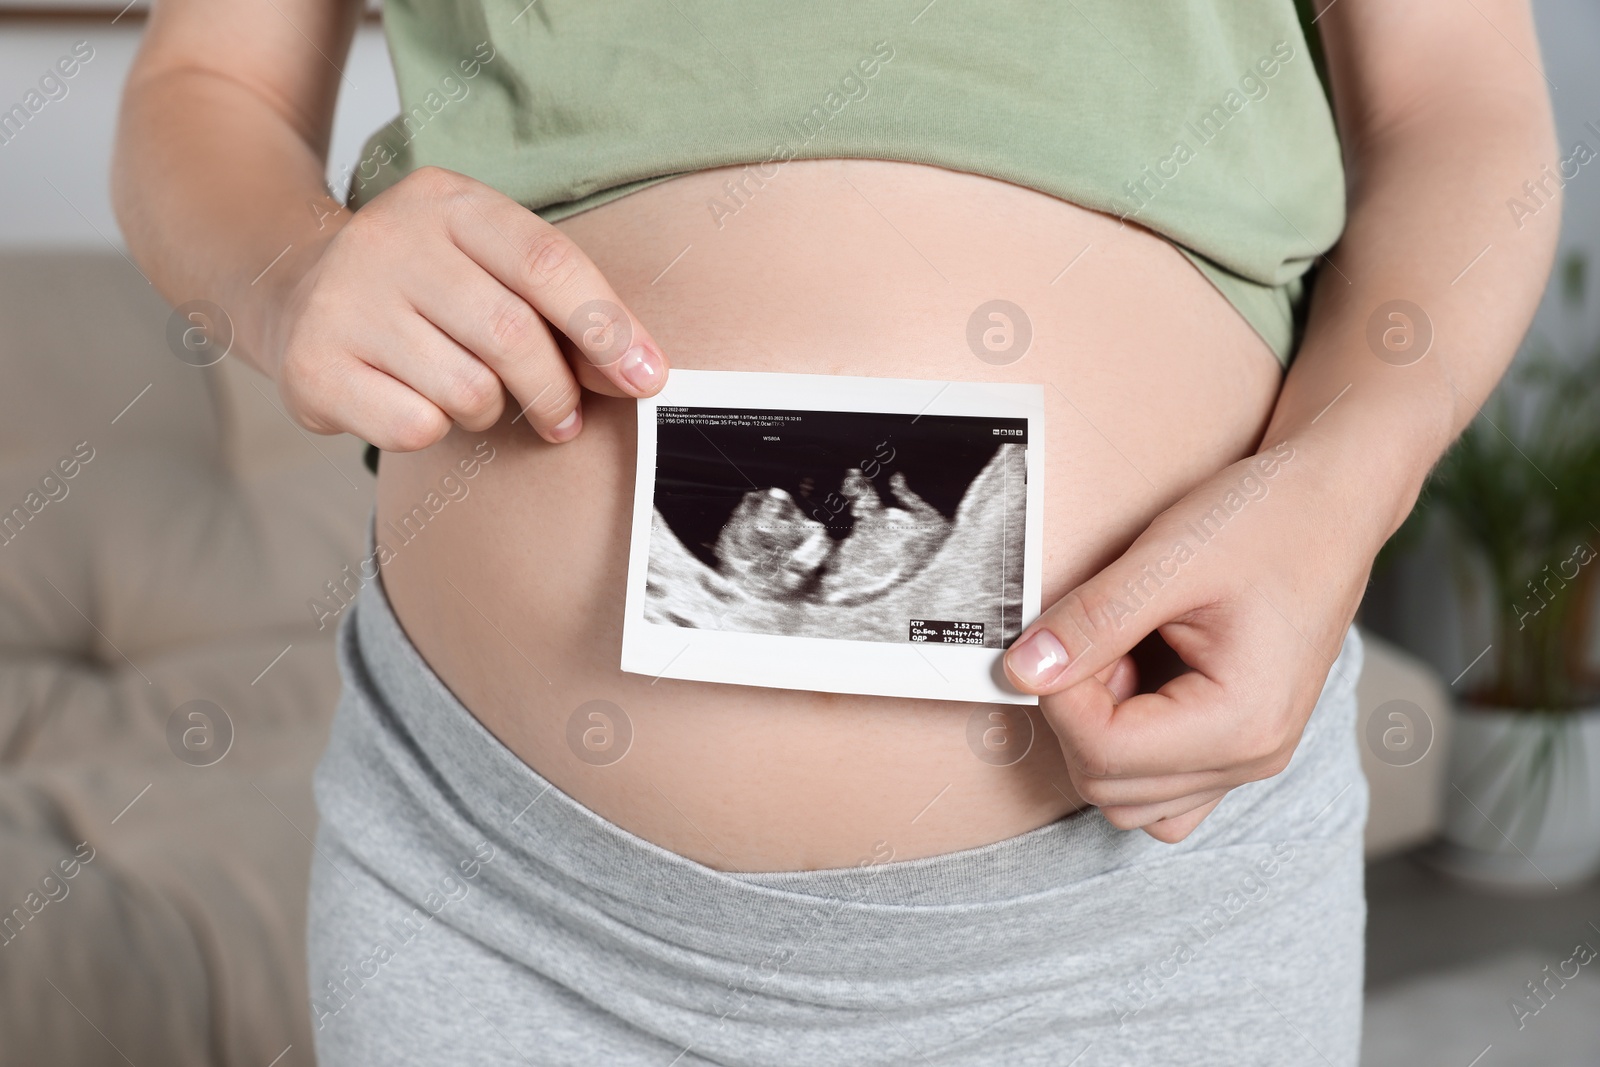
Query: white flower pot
[[1522, 803]]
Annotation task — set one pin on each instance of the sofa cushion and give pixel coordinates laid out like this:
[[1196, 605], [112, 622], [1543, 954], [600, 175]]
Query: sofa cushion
[[173, 566]]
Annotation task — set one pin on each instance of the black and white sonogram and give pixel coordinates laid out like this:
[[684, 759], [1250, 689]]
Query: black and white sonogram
[[848, 525]]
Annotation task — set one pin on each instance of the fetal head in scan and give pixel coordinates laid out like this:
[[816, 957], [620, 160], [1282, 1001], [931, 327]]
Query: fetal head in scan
[[870, 561], [773, 549]]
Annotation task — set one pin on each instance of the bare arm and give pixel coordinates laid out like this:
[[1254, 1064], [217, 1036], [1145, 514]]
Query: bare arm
[[222, 147], [1443, 114], [423, 310]]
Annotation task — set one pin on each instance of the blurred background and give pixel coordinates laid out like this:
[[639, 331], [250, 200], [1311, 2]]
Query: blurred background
[[164, 690]]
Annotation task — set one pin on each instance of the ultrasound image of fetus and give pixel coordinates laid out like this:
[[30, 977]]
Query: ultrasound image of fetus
[[773, 549], [778, 570], [770, 548]]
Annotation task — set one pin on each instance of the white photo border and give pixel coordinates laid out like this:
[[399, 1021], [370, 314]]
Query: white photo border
[[872, 668]]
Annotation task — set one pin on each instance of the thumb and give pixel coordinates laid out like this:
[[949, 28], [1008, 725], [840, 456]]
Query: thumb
[[1095, 625]]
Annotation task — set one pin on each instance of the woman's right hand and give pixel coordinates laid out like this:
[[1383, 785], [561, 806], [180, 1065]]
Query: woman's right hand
[[431, 303]]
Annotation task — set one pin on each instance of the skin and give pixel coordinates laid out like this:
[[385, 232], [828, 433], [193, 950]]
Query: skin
[[515, 594], [1443, 115]]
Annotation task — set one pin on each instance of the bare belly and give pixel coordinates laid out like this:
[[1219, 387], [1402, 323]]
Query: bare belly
[[514, 593]]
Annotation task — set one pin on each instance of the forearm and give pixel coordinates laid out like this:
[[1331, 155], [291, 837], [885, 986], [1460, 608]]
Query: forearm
[[1428, 223], [219, 195]]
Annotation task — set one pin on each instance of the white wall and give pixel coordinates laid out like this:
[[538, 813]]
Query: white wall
[[53, 174], [53, 191], [69, 142], [1417, 603], [1569, 33]]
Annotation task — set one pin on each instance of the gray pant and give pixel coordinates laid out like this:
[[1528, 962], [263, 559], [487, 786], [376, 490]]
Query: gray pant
[[464, 911]]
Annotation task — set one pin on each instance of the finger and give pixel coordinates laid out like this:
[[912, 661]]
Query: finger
[[1101, 620], [1142, 792], [1172, 813], [1122, 678], [435, 365], [500, 332], [1190, 724], [1179, 827], [374, 406], [548, 270]]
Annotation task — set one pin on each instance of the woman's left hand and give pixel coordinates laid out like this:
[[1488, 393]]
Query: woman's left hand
[[1261, 598], [1252, 579]]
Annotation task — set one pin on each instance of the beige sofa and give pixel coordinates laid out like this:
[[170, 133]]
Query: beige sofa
[[175, 565]]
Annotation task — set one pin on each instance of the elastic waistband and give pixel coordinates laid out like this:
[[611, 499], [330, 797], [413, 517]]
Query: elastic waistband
[[418, 774]]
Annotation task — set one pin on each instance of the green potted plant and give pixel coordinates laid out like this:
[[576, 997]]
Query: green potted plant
[[1520, 497]]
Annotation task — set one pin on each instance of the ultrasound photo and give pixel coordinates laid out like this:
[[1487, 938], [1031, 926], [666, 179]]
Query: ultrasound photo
[[854, 526]]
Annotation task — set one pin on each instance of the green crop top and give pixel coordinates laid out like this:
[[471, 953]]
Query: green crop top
[[1203, 120]]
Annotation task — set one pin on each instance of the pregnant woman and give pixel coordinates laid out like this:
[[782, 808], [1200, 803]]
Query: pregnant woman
[[528, 856]]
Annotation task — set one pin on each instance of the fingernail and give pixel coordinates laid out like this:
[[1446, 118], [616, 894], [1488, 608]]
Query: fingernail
[[641, 368], [567, 427], [1039, 660]]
